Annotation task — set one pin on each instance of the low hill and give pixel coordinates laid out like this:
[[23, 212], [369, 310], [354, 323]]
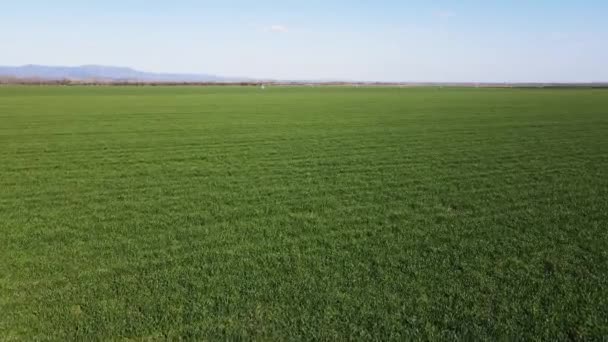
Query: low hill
[[104, 73]]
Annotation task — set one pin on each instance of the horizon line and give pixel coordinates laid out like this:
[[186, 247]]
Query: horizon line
[[275, 80]]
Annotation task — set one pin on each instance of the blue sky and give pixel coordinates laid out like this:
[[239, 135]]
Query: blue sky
[[466, 40]]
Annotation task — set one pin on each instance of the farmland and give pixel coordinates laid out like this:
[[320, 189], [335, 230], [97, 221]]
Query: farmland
[[303, 213]]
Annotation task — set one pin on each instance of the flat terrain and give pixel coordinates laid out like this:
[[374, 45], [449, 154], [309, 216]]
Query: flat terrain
[[303, 213]]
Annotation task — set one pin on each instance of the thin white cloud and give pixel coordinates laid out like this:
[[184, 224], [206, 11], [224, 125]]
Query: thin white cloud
[[278, 29]]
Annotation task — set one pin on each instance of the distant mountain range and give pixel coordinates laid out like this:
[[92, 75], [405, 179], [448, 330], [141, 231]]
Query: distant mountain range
[[105, 73], [111, 74]]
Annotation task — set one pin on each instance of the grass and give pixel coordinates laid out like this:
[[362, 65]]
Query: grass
[[303, 213]]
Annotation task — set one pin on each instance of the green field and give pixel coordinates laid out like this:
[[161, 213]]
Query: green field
[[303, 213]]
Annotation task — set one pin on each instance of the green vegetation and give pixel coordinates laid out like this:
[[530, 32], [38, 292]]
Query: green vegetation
[[303, 213]]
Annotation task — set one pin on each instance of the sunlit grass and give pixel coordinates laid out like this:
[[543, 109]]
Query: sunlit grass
[[325, 213]]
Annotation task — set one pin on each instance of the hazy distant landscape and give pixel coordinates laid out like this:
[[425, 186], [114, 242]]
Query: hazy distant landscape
[[101, 73], [97, 74]]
